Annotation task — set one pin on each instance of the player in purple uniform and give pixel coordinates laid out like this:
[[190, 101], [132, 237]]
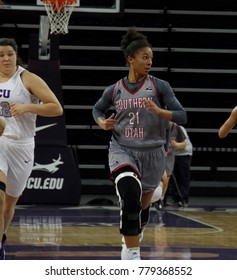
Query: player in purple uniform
[[24, 95], [144, 104]]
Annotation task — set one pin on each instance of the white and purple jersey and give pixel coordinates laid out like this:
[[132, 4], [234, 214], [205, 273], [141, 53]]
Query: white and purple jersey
[[14, 91]]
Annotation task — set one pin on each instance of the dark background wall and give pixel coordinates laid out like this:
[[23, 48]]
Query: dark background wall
[[195, 49]]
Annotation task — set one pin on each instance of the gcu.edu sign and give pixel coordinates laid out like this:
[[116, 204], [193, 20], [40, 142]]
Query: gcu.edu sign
[[52, 183], [54, 177]]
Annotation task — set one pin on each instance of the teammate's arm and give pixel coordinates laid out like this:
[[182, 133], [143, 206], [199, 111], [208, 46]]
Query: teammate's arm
[[228, 124]]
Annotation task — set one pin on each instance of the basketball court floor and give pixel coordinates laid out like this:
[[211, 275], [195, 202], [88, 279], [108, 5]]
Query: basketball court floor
[[206, 230]]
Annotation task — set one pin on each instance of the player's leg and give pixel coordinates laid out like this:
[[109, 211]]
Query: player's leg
[[128, 188], [165, 180], [18, 174], [182, 174], [8, 213], [145, 215], [2, 205], [157, 194], [10, 205]]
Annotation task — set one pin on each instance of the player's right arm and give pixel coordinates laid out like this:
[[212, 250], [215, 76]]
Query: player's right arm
[[101, 107], [106, 124]]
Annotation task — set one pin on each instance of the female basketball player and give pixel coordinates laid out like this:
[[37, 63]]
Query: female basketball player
[[144, 104], [23, 96], [230, 123]]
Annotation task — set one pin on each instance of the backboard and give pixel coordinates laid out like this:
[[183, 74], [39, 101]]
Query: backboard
[[82, 6]]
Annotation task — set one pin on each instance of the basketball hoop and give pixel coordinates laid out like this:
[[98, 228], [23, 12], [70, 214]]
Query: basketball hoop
[[59, 12]]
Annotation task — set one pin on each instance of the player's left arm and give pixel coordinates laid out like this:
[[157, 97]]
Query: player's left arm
[[228, 124], [49, 105], [173, 110]]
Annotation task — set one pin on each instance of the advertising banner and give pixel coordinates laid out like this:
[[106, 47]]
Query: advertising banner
[[54, 178]]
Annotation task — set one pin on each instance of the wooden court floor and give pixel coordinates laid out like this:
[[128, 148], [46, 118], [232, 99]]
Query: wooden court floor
[[91, 232]]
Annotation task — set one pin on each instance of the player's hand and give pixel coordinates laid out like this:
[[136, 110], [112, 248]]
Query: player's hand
[[173, 143], [107, 124], [17, 109], [149, 104]]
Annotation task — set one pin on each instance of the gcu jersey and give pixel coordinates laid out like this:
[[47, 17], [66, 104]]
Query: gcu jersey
[[137, 126], [13, 91]]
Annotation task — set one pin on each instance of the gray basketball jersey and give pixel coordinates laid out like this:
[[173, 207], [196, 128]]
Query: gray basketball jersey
[[14, 91], [136, 126]]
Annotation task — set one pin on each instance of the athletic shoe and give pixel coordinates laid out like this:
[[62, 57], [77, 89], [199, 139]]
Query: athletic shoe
[[182, 204], [133, 253], [124, 251], [159, 204], [2, 250], [130, 254], [170, 202]]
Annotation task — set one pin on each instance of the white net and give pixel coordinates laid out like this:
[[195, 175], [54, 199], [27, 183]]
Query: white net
[[59, 14]]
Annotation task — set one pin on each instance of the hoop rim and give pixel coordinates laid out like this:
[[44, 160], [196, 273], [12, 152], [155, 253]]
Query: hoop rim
[[60, 2]]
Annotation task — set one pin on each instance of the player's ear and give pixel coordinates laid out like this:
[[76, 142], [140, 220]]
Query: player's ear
[[130, 59]]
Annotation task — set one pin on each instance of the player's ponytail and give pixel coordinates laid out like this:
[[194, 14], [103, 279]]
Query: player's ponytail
[[132, 41]]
